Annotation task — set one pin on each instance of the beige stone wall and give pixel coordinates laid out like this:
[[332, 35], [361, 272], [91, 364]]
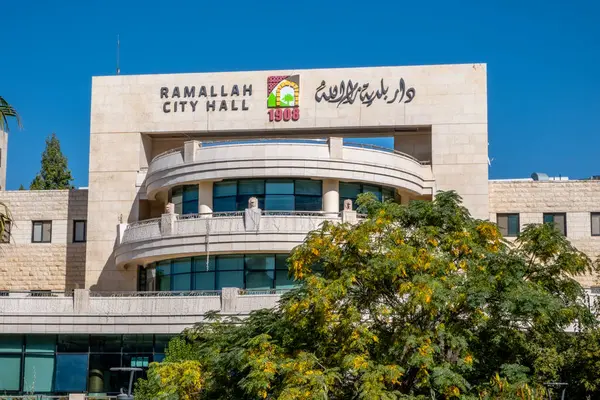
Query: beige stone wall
[[531, 199], [59, 265]]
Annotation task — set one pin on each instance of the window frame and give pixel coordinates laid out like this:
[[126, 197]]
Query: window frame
[[508, 215], [554, 214], [382, 189], [75, 221], [592, 215], [42, 222]]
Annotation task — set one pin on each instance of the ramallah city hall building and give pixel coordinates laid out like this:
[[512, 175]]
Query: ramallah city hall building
[[200, 185]]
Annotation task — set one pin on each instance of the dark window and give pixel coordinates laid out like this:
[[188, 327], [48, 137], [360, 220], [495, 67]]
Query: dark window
[[79, 231], [185, 199], [42, 232], [351, 190], [5, 238], [508, 224], [595, 221], [558, 220], [272, 194], [71, 373]]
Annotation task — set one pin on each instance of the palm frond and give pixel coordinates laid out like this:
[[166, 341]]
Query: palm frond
[[8, 111], [5, 219]]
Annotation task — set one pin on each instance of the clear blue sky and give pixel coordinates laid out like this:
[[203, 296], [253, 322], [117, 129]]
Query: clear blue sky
[[543, 62]]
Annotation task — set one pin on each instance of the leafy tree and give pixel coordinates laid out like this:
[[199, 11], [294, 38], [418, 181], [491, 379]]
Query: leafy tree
[[55, 173], [416, 302], [7, 111], [287, 99], [21, 187]]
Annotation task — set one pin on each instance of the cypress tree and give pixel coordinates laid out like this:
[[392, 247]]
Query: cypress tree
[[54, 173]]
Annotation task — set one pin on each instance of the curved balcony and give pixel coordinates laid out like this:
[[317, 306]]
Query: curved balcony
[[288, 158], [231, 232]]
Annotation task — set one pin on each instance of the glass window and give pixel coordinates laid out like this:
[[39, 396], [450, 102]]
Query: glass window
[[79, 231], [10, 372], [225, 189], [101, 378], [105, 344], [276, 202], [230, 262], [200, 264], [42, 232], [163, 276], [73, 344], [508, 224], [137, 343], [309, 203], [376, 190], [223, 204], [387, 194], [136, 361], [279, 186], [177, 199], [71, 373], [230, 279], [307, 187], [251, 187], [260, 271], [559, 220], [38, 373], [349, 190], [204, 281], [190, 199], [595, 220], [161, 342], [182, 282], [40, 343], [181, 266], [282, 280], [11, 344]]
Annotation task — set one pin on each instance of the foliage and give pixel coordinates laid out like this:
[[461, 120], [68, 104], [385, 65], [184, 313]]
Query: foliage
[[7, 111], [172, 380], [416, 302], [21, 187], [55, 173]]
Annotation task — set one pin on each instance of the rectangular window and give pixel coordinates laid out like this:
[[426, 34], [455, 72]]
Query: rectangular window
[[71, 373], [282, 280], [230, 271], [595, 220], [508, 224], [42, 232], [260, 271], [559, 220], [204, 273], [5, 238], [79, 231], [39, 370], [10, 372]]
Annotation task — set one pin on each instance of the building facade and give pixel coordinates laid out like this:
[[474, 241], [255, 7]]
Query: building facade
[[200, 185]]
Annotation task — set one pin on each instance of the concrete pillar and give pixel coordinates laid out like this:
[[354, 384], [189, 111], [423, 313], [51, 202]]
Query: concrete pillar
[[205, 197], [229, 300], [189, 150], [81, 300], [336, 147], [331, 196]]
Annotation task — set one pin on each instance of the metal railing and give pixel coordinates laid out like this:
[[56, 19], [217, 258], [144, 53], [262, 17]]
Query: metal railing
[[262, 141], [386, 150], [256, 292], [35, 293], [224, 214], [186, 293], [165, 153]]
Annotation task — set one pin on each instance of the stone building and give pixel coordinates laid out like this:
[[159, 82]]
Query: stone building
[[99, 278]]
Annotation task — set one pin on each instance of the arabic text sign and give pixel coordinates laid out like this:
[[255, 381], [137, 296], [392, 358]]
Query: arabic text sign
[[348, 92]]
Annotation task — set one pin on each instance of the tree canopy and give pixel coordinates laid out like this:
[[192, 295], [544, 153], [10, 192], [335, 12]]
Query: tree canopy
[[55, 173], [418, 301], [7, 111]]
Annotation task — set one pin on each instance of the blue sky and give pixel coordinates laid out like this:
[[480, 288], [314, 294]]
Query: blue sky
[[543, 62]]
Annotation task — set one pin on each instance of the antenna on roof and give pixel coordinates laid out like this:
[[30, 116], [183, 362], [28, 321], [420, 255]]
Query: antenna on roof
[[118, 51]]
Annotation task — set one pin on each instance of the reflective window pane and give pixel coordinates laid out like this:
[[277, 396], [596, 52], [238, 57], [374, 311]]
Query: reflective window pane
[[251, 187], [230, 262], [10, 372], [309, 203], [222, 189], [281, 261], [181, 282], [276, 202], [71, 373], [37, 232], [259, 280], [161, 342], [40, 343], [260, 261], [181, 266], [282, 281], [79, 231], [308, 187], [201, 264], [349, 190], [279, 186], [242, 201], [11, 343], [105, 343], [224, 204], [38, 374], [101, 378], [230, 279], [376, 190], [137, 343], [73, 343], [204, 281]]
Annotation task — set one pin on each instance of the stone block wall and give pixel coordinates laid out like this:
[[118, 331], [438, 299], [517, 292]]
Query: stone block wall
[[58, 265], [531, 199]]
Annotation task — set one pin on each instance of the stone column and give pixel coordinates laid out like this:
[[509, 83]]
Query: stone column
[[331, 196], [205, 197]]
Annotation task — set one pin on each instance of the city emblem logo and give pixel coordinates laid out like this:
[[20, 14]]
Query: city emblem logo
[[283, 96]]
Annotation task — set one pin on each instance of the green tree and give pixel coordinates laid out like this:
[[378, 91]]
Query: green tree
[[21, 187], [55, 173], [7, 111], [287, 99], [418, 301]]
